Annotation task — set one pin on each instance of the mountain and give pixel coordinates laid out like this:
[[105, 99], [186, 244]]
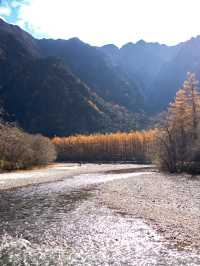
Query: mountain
[[19, 37], [174, 72], [158, 69], [44, 96], [41, 93], [142, 62], [113, 52], [140, 76], [16, 47], [96, 69], [63, 87]]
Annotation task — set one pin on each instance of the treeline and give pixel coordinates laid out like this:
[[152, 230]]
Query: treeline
[[134, 146], [174, 144], [20, 150], [178, 138]]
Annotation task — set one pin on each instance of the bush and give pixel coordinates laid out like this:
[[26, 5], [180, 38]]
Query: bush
[[20, 150], [43, 150]]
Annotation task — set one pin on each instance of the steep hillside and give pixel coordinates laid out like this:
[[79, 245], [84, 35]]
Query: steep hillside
[[96, 70], [99, 88], [45, 97], [24, 39], [16, 48], [42, 94], [144, 60], [158, 69], [174, 72]]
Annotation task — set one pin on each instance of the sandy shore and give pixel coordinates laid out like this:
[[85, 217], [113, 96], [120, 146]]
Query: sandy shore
[[57, 172], [171, 204]]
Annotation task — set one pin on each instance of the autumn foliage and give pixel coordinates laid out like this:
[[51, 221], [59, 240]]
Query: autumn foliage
[[174, 144], [178, 140], [134, 146], [20, 150]]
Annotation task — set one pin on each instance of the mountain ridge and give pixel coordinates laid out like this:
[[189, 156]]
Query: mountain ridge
[[124, 84], [21, 65]]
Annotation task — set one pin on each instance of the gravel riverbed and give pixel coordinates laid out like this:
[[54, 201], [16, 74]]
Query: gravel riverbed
[[58, 172], [102, 215], [169, 203]]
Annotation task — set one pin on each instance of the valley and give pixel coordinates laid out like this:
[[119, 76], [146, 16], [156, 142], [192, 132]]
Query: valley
[[100, 140], [66, 87]]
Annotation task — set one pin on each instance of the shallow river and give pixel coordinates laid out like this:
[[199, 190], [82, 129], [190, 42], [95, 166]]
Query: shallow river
[[95, 235]]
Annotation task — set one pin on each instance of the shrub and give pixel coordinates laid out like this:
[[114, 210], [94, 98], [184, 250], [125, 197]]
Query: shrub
[[44, 151], [20, 150]]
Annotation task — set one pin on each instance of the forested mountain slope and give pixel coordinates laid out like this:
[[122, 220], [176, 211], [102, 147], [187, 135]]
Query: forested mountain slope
[[43, 95], [62, 87], [174, 72], [97, 70], [159, 69]]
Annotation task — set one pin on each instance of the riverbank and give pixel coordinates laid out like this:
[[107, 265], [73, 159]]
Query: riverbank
[[169, 203], [106, 215], [56, 172]]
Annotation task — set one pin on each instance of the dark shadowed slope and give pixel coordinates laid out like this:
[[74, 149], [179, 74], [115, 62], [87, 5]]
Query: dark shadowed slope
[[97, 70], [16, 48], [174, 72], [45, 97], [121, 84], [141, 61]]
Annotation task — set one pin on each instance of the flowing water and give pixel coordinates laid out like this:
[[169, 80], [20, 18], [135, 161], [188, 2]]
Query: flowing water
[[69, 211]]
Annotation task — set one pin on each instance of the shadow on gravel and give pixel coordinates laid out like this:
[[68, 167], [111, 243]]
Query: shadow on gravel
[[131, 170], [20, 212]]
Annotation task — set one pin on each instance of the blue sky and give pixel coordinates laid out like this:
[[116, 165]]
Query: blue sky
[[100, 22], [8, 12]]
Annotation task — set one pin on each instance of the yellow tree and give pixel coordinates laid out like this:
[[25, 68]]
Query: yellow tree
[[184, 112], [180, 130]]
